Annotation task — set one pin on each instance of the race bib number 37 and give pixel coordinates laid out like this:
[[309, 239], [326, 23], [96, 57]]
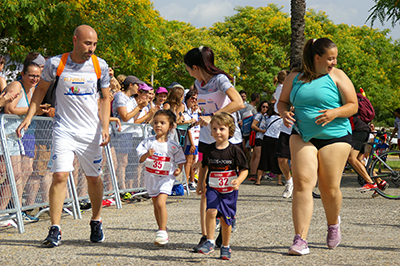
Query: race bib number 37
[[158, 165], [221, 181]]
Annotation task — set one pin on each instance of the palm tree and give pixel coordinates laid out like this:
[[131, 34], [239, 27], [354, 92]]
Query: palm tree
[[385, 10], [298, 11]]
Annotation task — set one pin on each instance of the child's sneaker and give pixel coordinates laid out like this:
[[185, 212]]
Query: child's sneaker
[[161, 238], [299, 247], [225, 253], [207, 248], [334, 235], [53, 239], [203, 239]]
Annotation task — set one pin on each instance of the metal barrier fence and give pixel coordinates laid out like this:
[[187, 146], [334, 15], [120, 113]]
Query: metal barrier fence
[[25, 165]]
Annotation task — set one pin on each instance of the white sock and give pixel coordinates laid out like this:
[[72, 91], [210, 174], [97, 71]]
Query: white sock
[[212, 241], [56, 225], [226, 246], [290, 181]]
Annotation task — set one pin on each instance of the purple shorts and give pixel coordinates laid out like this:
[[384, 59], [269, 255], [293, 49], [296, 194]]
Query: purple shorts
[[225, 204]]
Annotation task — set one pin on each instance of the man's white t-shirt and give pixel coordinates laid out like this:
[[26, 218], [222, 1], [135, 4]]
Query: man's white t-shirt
[[76, 94]]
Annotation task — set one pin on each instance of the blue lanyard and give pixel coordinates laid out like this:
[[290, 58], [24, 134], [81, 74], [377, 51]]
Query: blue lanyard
[[26, 96]]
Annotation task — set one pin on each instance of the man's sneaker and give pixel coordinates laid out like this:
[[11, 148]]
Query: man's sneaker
[[383, 185], [96, 235], [203, 239], [288, 190], [217, 223], [29, 219], [367, 187], [334, 235], [225, 253], [207, 248], [161, 238], [299, 247], [218, 241], [54, 237]]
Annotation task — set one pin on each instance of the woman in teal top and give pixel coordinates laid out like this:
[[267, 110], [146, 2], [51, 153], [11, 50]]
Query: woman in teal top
[[322, 97]]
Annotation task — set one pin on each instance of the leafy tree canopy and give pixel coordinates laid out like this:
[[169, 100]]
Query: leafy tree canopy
[[253, 44]]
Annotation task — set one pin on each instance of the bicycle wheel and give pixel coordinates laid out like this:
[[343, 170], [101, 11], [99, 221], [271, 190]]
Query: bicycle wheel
[[387, 167]]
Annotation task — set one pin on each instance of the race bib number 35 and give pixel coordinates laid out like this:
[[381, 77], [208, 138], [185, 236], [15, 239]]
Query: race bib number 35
[[221, 181], [158, 165]]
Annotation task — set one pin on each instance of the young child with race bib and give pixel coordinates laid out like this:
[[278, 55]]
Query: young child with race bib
[[221, 161], [163, 160]]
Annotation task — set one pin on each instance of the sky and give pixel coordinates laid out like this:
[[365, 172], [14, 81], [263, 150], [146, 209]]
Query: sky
[[205, 13]]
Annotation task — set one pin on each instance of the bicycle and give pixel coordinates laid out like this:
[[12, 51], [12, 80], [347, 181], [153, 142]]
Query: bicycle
[[385, 166]]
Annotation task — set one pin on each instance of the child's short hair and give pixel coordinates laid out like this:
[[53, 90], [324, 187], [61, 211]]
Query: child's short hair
[[169, 114], [225, 119]]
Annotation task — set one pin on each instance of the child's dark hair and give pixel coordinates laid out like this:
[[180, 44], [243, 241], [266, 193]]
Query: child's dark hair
[[225, 119], [169, 114], [203, 57]]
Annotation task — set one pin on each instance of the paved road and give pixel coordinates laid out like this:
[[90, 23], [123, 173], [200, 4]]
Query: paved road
[[370, 228]]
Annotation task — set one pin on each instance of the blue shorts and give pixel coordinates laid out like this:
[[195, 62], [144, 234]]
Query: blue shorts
[[224, 203], [187, 150], [28, 143]]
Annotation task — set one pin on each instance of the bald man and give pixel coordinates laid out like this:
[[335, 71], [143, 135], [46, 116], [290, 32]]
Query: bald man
[[78, 127]]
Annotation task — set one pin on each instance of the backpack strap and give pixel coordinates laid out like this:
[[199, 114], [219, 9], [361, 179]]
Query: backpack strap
[[61, 67], [97, 69]]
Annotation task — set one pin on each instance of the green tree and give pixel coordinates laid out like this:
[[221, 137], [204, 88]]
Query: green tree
[[128, 31], [385, 10], [262, 36], [181, 37]]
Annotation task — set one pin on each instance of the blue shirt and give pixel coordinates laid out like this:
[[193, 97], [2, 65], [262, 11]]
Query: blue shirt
[[309, 98]]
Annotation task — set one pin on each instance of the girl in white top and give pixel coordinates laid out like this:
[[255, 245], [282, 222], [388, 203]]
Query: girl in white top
[[258, 125], [283, 150], [161, 155], [127, 109], [23, 165], [268, 162], [193, 135], [215, 94]]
